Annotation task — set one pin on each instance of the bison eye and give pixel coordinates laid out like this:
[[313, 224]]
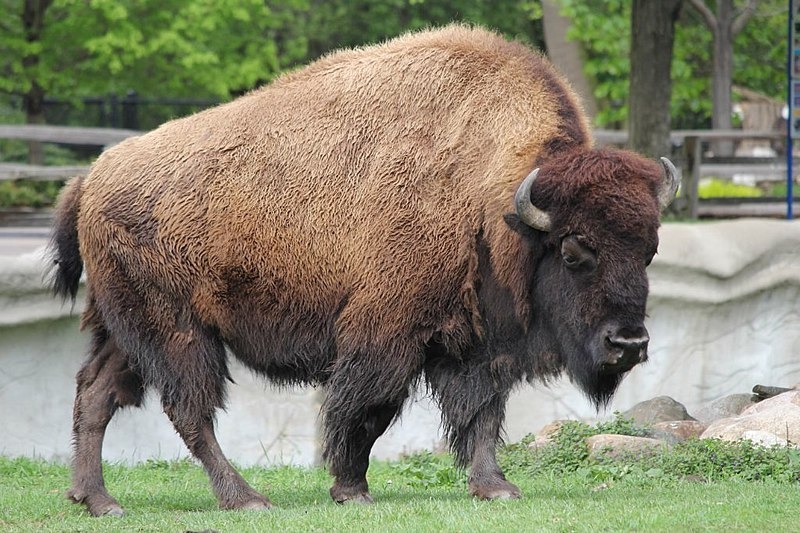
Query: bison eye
[[577, 255]]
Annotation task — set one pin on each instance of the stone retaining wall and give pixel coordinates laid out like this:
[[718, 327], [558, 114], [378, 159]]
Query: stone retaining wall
[[724, 314]]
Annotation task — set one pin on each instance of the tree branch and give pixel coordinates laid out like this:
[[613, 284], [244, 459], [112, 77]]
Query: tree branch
[[741, 19], [708, 16]]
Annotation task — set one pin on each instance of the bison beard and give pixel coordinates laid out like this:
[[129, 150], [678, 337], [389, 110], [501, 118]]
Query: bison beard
[[364, 224]]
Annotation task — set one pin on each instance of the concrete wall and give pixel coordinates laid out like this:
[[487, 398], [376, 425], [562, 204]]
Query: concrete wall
[[724, 315]]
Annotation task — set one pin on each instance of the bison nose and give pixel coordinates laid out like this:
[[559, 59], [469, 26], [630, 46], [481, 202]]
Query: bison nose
[[625, 351]]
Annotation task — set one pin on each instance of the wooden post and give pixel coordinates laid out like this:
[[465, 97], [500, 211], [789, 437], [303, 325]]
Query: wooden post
[[690, 180]]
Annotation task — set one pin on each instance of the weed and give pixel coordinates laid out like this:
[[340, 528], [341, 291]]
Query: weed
[[425, 469]]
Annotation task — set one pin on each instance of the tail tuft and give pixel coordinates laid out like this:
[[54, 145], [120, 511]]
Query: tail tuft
[[63, 248]]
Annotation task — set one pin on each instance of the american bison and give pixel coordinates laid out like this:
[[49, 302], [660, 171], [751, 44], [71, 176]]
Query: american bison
[[428, 210]]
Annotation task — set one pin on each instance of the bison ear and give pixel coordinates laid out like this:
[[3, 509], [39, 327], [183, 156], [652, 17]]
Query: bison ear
[[526, 211], [669, 185]]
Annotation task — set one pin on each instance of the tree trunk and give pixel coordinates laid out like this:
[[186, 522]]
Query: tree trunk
[[724, 24], [33, 22], [652, 36], [566, 54], [722, 81]]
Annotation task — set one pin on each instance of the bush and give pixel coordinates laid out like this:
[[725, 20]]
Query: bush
[[27, 193]]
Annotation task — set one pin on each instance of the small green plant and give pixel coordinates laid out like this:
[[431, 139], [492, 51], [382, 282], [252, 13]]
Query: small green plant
[[425, 469], [621, 425], [568, 451], [714, 460]]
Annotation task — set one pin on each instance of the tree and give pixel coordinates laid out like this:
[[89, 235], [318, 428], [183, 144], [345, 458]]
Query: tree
[[566, 54], [603, 30], [158, 47], [347, 23], [33, 13], [73, 48], [725, 24], [652, 36]]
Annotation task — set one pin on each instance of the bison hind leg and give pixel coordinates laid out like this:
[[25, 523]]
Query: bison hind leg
[[191, 374], [105, 383]]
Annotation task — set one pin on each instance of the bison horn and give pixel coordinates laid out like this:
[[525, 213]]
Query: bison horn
[[526, 211], [669, 187]]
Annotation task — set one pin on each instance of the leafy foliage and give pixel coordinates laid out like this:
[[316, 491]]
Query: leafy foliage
[[425, 469], [164, 47], [24, 193], [200, 48], [713, 460], [220, 49]]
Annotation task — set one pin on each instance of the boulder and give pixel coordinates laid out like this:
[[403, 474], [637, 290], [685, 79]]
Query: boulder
[[775, 420], [545, 435], [608, 446], [658, 409], [677, 430], [724, 407]]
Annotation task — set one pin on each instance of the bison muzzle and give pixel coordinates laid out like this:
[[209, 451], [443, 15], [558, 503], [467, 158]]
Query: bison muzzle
[[429, 211]]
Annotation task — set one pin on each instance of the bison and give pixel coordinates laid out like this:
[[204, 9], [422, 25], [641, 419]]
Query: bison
[[427, 211]]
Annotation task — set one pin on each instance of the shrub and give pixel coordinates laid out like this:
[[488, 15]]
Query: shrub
[[27, 193]]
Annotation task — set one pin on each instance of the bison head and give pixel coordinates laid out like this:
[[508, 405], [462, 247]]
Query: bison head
[[594, 216]]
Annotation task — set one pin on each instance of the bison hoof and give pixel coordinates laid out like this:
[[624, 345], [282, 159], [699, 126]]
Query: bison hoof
[[97, 505], [358, 495], [500, 491], [256, 505], [256, 502]]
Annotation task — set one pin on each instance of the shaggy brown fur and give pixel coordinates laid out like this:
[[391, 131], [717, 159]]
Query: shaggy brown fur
[[351, 225]]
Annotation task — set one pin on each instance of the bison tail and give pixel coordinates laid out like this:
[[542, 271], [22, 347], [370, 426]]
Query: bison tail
[[63, 246]]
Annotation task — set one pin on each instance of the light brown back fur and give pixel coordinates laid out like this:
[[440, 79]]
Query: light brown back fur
[[361, 180]]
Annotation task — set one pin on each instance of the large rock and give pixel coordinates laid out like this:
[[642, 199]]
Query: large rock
[[608, 446], [725, 407], [659, 409], [772, 421], [545, 435], [677, 430]]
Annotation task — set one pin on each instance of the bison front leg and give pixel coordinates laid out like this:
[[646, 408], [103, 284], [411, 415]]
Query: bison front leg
[[486, 479], [363, 399], [473, 411], [349, 460]]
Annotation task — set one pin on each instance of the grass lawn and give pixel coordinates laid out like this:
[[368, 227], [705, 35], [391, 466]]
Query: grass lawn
[[413, 495]]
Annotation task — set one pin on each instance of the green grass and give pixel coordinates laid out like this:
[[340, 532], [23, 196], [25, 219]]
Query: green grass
[[696, 486], [718, 188]]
